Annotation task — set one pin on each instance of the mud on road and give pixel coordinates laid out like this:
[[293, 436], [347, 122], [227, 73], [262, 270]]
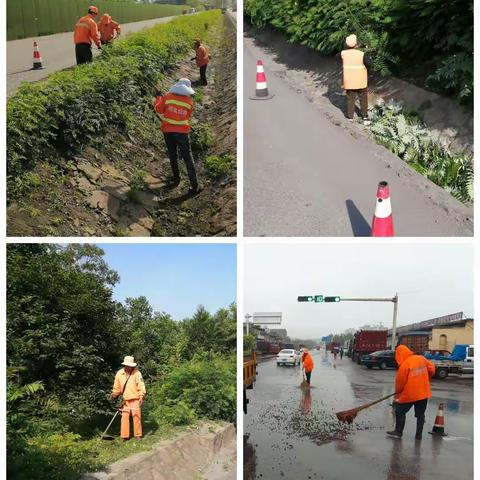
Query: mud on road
[[117, 187], [292, 432]]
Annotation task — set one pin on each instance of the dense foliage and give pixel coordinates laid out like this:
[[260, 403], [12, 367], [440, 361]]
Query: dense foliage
[[66, 337], [406, 136], [432, 39], [75, 107]]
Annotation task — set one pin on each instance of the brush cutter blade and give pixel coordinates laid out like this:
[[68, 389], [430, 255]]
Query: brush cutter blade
[[107, 437]]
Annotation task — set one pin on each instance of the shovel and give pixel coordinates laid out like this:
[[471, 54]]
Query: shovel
[[349, 415]]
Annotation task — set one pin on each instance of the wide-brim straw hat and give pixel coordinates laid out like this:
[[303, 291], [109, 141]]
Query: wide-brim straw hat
[[129, 361], [351, 41]]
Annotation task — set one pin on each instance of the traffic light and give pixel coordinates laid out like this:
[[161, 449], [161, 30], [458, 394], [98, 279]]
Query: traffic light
[[308, 298], [318, 298], [332, 299]]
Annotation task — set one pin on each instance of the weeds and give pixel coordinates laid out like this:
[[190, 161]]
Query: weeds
[[218, 166], [201, 137], [406, 136]]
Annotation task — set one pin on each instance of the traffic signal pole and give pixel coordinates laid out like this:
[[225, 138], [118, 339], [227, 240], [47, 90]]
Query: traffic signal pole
[[395, 307]]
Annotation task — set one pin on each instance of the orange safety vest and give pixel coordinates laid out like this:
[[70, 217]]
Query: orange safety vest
[[412, 382], [307, 362], [86, 31], [175, 112], [355, 75], [201, 56], [106, 30]]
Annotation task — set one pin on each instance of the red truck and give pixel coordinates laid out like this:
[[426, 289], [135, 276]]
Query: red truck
[[367, 341]]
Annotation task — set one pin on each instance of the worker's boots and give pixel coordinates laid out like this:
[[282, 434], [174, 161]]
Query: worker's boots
[[399, 426]]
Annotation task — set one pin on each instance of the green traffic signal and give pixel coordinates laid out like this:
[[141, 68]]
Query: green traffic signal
[[332, 299], [318, 298], [307, 298]]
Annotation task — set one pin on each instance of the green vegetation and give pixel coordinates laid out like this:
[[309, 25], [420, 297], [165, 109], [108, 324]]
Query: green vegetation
[[66, 337], [217, 166], [137, 184], [32, 18], [405, 135], [430, 39], [201, 137], [71, 109]]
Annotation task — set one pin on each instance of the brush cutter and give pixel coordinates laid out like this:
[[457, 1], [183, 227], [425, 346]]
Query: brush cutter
[[104, 435], [348, 416]]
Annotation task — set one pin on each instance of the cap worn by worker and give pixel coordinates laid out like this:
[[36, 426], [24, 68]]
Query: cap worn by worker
[[105, 18], [129, 361], [183, 87], [351, 41], [92, 9]]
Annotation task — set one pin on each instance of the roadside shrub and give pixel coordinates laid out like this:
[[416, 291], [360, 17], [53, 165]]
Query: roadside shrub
[[406, 136], [72, 108], [218, 166], [206, 386]]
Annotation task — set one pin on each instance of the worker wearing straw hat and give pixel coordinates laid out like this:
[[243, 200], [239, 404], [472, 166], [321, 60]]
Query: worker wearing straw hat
[[129, 380], [355, 77]]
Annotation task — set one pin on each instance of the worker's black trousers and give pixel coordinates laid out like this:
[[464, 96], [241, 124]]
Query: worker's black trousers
[[308, 375], [203, 75], [181, 142], [401, 410], [83, 52], [351, 97]]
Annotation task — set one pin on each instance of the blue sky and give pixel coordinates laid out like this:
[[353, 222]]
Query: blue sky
[[175, 278]]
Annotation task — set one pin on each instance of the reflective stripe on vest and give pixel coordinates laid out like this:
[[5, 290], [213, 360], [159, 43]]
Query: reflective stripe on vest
[[179, 103], [174, 122], [82, 24], [354, 71]]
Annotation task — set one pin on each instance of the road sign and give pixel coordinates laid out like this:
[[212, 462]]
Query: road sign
[[267, 318]]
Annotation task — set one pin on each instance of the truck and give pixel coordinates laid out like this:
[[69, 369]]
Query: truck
[[287, 345], [365, 342], [459, 362], [249, 376], [417, 342]]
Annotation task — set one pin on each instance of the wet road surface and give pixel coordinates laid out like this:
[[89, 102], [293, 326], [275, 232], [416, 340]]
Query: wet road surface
[[309, 172], [293, 433]]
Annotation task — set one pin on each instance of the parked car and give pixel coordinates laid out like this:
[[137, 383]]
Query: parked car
[[288, 356], [382, 359]]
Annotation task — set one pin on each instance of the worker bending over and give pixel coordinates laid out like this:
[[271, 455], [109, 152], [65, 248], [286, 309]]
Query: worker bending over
[[412, 388], [307, 364], [129, 383], [109, 29], [175, 110], [84, 34], [355, 77]]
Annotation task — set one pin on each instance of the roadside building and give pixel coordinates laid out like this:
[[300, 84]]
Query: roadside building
[[445, 337]]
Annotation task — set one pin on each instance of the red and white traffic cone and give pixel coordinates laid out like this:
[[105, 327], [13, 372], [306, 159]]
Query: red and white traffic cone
[[382, 224], [37, 58], [261, 89], [439, 425]]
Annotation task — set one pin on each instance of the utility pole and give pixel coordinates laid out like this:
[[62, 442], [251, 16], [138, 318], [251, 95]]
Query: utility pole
[[247, 318]]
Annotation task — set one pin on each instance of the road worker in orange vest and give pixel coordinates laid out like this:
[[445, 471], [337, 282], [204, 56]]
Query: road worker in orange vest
[[84, 34], [201, 58], [412, 388], [175, 109], [129, 384], [307, 364], [108, 28], [355, 77]]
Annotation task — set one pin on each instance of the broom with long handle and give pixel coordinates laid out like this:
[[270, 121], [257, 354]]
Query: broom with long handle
[[348, 416]]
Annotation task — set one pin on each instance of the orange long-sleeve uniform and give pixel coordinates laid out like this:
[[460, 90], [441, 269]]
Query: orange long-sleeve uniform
[[132, 399], [412, 382], [201, 56], [175, 111], [307, 362], [108, 28], [86, 31]]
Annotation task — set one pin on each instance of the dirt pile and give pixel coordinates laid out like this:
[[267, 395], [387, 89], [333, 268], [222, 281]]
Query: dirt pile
[[117, 186]]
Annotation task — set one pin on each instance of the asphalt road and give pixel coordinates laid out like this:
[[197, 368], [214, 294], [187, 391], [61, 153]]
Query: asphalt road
[[293, 433], [57, 51], [309, 174]]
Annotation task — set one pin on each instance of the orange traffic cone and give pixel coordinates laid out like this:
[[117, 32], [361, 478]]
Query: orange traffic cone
[[439, 425], [261, 90], [37, 58], [382, 224]]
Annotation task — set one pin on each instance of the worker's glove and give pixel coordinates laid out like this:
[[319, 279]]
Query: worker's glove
[[140, 401]]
